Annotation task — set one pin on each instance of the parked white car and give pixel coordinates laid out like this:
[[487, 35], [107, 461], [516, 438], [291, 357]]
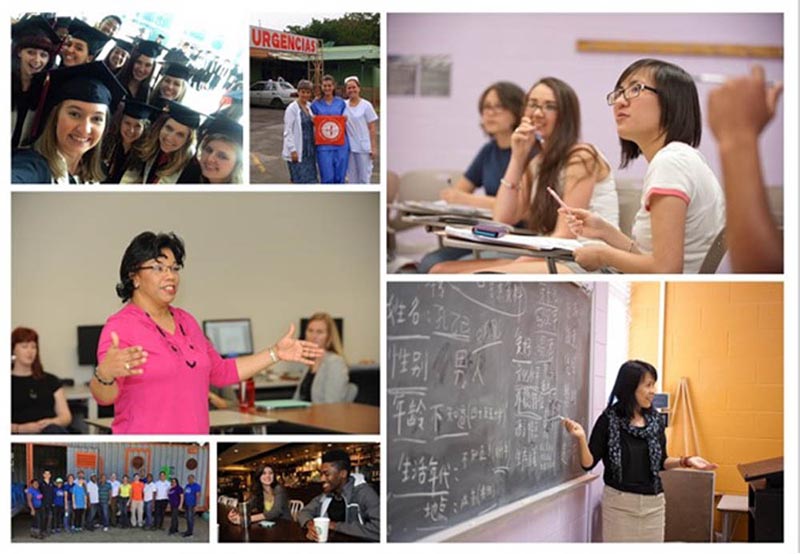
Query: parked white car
[[275, 94]]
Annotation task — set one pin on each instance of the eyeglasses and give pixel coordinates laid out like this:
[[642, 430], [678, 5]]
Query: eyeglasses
[[492, 108], [162, 269], [629, 93], [547, 107]]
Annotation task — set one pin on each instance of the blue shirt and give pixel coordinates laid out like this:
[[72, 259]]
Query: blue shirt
[[488, 167], [190, 492], [336, 107], [36, 496], [79, 493], [61, 494]]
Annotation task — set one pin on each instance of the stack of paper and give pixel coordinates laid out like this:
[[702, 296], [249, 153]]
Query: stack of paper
[[520, 241]]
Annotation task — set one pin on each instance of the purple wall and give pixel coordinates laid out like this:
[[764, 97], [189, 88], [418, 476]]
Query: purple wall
[[443, 133]]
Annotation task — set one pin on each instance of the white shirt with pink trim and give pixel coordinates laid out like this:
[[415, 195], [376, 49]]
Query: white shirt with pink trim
[[682, 171]]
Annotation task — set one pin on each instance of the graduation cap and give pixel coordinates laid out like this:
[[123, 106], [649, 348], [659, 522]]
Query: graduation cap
[[178, 71], [123, 44], [149, 48], [91, 82], [139, 110], [183, 114], [94, 38], [62, 22], [221, 125], [34, 32]]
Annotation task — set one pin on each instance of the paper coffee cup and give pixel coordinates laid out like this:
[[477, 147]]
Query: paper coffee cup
[[321, 525]]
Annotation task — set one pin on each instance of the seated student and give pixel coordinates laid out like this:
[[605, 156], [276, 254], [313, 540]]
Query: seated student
[[500, 107], [267, 499], [657, 111], [167, 150], [326, 381], [127, 131], [347, 500], [83, 45], [576, 171], [38, 404], [76, 111], [738, 111]]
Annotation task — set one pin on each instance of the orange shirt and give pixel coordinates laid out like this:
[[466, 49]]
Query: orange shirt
[[137, 490]]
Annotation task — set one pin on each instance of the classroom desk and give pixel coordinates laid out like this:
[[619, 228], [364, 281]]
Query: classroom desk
[[283, 531], [82, 394], [549, 256], [343, 417], [220, 421]]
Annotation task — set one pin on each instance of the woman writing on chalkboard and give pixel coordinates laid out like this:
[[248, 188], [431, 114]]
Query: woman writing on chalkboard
[[629, 438]]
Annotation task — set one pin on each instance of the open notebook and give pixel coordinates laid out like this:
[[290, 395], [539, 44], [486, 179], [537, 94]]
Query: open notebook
[[520, 241]]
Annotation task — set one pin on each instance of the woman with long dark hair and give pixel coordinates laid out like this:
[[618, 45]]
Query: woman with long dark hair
[[576, 171], [128, 130], [657, 112], [267, 500], [629, 439], [137, 72], [38, 403]]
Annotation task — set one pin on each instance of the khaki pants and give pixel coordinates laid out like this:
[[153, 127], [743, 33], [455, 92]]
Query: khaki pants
[[630, 517], [137, 511]]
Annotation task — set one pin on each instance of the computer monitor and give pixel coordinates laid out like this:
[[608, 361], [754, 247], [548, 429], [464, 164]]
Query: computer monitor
[[231, 337], [88, 338], [338, 321]]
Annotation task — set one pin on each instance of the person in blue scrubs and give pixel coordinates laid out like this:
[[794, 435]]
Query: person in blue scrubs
[[332, 160]]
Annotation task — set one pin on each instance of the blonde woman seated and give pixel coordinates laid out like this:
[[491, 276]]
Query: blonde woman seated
[[576, 171], [326, 381]]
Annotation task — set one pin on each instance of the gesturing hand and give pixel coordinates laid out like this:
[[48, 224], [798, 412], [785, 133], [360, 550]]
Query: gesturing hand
[[290, 349], [523, 138], [121, 362], [574, 428], [742, 106], [699, 463], [583, 223]]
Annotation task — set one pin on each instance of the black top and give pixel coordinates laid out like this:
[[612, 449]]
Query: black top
[[32, 399], [48, 492], [336, 509], [305, 387], [636, 476]]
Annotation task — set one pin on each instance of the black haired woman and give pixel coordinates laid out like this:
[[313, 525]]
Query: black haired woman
[[268, 500], [33, 52], [629, 439], [657, 112], [127, 131], [138, 71], [156, 365]]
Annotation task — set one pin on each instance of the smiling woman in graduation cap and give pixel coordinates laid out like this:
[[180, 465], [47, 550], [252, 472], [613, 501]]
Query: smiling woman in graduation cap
[[138, 71], [168, 149], [83, 44], [127, 130], [171, 86], [219, 159], [76, 110]]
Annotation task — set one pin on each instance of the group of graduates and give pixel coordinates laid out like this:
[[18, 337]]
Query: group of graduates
[[77, 118]]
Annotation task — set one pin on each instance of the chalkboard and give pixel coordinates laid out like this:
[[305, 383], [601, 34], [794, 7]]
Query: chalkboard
[[478, 375]]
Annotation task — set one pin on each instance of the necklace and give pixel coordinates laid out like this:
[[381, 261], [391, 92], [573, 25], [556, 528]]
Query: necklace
[[174, 347]]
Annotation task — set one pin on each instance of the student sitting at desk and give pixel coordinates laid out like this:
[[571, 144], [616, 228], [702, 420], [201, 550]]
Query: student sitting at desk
[[629, 439], [38, 403], [267, 500], [500, 107], [325, 381], [577, 171], [657, 112], [156, 365]]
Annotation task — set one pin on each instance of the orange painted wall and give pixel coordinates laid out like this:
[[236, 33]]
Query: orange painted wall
[[727, 339]]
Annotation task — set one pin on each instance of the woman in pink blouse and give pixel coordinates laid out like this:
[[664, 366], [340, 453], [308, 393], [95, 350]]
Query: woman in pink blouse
[[156, 365]]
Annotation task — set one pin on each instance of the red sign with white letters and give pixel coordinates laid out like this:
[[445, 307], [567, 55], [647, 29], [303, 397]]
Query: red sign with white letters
[[267, 39]]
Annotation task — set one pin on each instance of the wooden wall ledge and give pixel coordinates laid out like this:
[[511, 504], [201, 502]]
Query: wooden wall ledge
[[680, 49]]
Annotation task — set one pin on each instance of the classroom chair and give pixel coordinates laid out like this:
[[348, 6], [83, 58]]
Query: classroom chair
[[715, 254], [294, 508], [422, 185], [629, 194], [689, 495]]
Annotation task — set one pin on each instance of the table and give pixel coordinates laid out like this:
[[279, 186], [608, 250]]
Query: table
[[550, 256], [341, 417], [220, 420], [731, 506], [284, 530]]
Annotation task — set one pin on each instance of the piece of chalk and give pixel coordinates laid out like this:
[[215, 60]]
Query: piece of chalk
[[561, 417]]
